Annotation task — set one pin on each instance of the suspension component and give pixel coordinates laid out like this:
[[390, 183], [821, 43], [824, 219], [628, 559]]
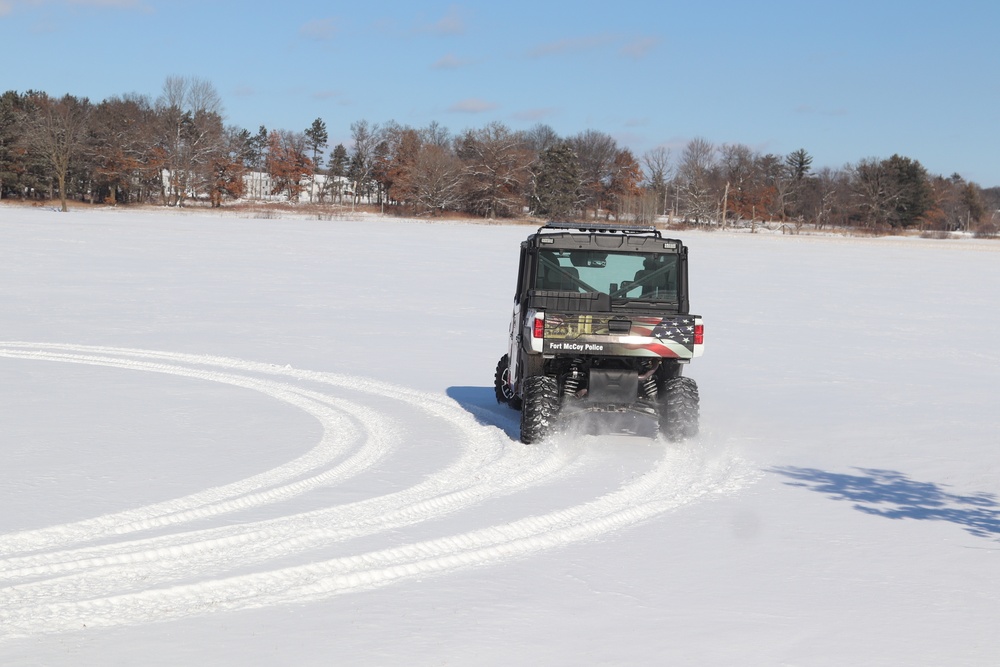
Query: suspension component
[[648, 380], [572, 383]]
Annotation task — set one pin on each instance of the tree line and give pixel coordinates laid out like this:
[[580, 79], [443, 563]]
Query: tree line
[[177, 148]]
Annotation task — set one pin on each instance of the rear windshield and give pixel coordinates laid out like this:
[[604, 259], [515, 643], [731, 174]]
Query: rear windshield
[[623, 276]]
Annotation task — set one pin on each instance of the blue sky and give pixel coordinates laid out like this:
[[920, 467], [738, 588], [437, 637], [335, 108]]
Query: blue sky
[[844, 80]]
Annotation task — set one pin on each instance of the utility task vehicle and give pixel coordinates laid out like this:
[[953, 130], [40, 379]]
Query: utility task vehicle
[[601, 323]]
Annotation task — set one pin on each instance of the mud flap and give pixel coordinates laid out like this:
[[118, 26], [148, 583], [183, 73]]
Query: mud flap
[[613, 386]]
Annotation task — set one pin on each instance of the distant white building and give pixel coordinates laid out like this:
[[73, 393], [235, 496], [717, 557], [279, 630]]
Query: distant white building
[[259, 186]]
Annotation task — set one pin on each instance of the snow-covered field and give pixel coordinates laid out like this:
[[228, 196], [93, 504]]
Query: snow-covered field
[[274, 442]]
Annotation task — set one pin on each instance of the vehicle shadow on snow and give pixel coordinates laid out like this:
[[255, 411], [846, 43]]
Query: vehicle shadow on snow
[[481, 403], [893, 495]]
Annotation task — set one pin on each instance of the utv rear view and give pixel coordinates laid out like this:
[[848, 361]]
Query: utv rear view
[[601, 323]]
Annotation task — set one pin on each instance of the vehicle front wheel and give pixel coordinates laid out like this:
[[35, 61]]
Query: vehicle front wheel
[[539, 408], [501, 384]]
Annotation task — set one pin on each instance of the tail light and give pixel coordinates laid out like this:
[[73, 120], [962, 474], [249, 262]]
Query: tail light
[[699, 334], [538, 330]]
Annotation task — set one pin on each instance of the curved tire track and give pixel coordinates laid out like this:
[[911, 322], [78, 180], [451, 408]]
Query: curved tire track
[[52, 581]]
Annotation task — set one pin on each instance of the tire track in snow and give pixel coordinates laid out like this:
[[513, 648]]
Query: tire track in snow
[[339, 419], [139, 580]]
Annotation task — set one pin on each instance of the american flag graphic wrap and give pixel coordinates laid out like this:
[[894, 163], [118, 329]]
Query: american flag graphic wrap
[[679, 331], [671, 336]]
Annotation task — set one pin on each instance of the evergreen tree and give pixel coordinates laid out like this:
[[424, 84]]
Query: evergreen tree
[[913, 190], [9, 134], [557, 192], [316, 140], [257, 149], [972, 202], [338, 161], [336, 171], [798, 164]]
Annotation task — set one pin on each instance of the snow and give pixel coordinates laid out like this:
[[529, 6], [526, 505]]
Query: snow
[[263, 442]]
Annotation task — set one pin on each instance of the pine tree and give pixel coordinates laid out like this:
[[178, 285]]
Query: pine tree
[[9, 135], [336, 172], [338, 161], [316, 140], [557, 182], [912, 188], [798, 164]]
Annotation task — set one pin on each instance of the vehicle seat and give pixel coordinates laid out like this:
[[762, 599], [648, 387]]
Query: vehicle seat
[[647, 288], [558, 280], [661, 282]]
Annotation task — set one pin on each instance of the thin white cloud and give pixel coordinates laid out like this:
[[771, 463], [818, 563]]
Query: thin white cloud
[[117, 4], [570, 45], [473, 105], [8, 6], [809, 110], [627, 139], [535, 114], [450, 61], [337, 96], [327, 94], [320, 30], [635, 48], [639, 47], [452, 23]]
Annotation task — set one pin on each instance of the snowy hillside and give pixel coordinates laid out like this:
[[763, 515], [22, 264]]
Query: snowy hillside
[[274, 442]]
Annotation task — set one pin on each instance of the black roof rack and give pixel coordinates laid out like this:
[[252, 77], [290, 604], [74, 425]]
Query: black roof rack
[[601, 227]]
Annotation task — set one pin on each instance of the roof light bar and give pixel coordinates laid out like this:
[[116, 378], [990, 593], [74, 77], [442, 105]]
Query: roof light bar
[[602, 228]]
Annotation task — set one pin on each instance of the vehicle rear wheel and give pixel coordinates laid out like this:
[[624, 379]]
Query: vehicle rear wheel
[[679, 409], [539, 408]]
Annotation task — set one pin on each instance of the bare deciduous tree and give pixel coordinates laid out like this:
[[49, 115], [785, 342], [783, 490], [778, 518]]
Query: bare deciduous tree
[[657, 169], [596, 153], [540, 138], [694, 180], [623, 191], [496, 170], [436, 134], [366, 139], [875, 191], [288, 163], [741, 171], [56, 129], [191, 136], [120, 149], [436, 179], [229, 166]]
